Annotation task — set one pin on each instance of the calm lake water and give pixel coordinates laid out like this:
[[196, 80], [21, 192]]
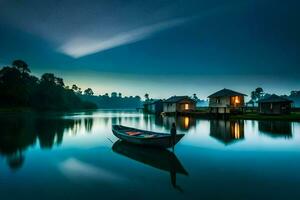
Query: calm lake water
[[76, 156]]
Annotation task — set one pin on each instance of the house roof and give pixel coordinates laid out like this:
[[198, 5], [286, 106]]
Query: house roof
[[274, 99], [226, 93], [152, 101], [175, 99]]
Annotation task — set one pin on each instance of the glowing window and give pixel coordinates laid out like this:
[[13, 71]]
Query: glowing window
[[186, 106], [237, 99]]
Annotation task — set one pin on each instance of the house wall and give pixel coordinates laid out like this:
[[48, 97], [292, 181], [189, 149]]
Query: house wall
[[224, 105], [179, 106], [223, 102], [159, 108], [154, 108], [220, 110], [169, 107], [275, 108]]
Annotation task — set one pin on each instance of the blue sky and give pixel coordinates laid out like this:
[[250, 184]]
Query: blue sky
[[162, 47]]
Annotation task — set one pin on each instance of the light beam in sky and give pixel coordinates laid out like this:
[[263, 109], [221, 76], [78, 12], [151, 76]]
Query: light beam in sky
[[81, 46]]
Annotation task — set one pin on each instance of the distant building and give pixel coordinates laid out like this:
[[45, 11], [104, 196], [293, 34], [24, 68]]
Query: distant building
[[226, 101], [179, 104], [154, 106], [275, 105]]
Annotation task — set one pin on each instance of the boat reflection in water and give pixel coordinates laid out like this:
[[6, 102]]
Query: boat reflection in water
[[162, 159], [276, 129], [226, 131]]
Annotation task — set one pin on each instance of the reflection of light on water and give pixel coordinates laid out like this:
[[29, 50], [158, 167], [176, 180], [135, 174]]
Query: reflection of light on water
[[186, 122], [199, 135], [73, 168], [237, 133]]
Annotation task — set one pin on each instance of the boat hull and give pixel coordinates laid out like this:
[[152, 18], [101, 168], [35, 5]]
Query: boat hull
[[162, 140]]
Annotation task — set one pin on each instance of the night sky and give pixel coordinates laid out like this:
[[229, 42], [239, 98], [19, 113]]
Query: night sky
[[162, 47]]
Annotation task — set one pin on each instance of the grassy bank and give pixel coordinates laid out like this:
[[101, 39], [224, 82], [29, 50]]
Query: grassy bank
[[255, 116], [203, 114]]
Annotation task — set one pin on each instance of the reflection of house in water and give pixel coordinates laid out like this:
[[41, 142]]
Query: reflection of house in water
[[276, 128], [182, 122], [227, 131]]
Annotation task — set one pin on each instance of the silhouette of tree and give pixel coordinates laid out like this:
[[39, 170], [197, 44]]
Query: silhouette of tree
[[257, 94], [113, 95], [89, 92], [195, 97], [48, 77], [146, 97], [59, 82], [21, 66]]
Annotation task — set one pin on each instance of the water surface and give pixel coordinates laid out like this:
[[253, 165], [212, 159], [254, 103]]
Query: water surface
[[76, 156]]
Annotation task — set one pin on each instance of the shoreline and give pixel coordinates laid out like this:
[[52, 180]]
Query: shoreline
[[295, 116], [246, 116]]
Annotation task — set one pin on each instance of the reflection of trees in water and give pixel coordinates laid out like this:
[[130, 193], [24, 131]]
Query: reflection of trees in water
[[19, 133], [15, 160], [51, 131], [227, 131], [88, 124], [276, 128], [14, 139]]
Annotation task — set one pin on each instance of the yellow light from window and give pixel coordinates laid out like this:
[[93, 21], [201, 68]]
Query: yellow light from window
[[186, 122], [186, 106], [237, 100], [237, 134]]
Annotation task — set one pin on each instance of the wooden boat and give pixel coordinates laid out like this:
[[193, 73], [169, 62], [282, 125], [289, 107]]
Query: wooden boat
[[146, 138], [158, 158]]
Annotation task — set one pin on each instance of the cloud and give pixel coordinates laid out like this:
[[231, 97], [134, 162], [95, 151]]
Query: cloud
[[81, 46]]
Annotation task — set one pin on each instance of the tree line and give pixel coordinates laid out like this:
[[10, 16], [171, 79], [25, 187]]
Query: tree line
[[19, 88], [115, 100], [259, 94]]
